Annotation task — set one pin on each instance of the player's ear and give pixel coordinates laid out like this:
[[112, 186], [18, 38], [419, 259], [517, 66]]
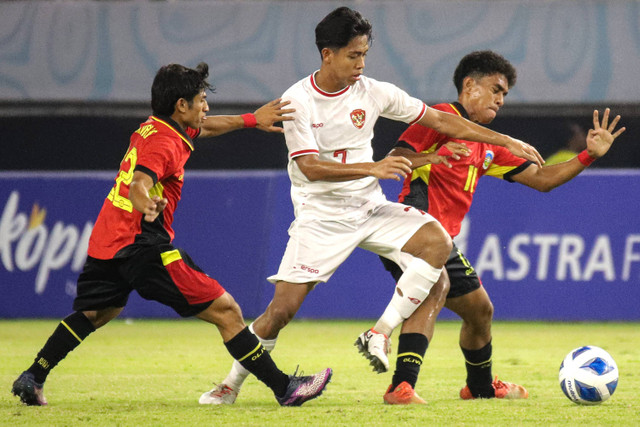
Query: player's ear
[[327, 54], [181, 105], [468, 83]]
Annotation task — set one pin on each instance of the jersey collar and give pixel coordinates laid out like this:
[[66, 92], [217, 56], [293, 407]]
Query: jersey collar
[[175, 127], [322, 92], [460, 109]]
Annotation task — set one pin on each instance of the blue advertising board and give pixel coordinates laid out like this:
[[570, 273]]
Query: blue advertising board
[[571, 254]]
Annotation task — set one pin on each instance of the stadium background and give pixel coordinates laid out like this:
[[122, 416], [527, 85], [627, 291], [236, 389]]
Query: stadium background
[[74, 83]]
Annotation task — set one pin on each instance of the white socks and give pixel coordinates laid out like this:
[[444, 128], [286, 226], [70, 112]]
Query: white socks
[[412, 289], [238, 373]]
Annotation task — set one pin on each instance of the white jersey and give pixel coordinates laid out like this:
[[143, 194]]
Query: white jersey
[[338, 127]]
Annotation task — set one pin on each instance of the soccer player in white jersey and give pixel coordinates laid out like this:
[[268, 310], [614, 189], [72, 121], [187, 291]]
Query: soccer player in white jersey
[[338, 202]]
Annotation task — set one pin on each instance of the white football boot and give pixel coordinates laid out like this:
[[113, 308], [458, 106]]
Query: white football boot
[[220, 395], [375, 347]]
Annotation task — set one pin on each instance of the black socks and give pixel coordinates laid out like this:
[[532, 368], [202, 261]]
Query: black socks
[[246, 349], [479, 377], [411, 350], [67, 336]]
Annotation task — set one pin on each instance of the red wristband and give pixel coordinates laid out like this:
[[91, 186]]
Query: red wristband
[[585, 158], [249, 120]]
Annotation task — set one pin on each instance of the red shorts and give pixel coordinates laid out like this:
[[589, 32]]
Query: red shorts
[[160, 273]]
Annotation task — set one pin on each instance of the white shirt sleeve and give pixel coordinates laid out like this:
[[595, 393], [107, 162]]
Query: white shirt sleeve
[[298, 136], [396, 104]]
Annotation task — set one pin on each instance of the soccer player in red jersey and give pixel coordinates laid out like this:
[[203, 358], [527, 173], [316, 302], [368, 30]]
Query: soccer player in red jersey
[[130, 247], [445, 191]]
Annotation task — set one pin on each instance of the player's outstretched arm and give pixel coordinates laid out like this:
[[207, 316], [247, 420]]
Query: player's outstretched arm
[[599, 140], [264, 118], [391, 167], [460, 128], [453, 152]]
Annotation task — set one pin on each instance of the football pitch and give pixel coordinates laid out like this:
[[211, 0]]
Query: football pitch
[[151, 372]]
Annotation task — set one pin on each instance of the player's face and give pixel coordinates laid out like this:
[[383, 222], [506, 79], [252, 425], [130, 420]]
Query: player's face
[[346, 65], [194, 116], [485, 96]]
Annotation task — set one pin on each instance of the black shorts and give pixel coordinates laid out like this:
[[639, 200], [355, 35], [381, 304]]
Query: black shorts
[[160, 273], [462, 275]]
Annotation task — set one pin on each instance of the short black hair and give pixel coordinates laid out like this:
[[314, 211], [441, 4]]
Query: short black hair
[[175, 81], [339, 27], [483, 63]]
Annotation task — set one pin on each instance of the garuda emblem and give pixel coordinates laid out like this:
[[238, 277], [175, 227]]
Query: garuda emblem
[[358, 117]]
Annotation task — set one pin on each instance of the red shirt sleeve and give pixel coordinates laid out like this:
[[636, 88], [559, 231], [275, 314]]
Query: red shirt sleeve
[[158, 154]]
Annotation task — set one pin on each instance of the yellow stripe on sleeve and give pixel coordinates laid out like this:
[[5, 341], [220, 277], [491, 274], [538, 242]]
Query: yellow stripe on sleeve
[[499, 171]]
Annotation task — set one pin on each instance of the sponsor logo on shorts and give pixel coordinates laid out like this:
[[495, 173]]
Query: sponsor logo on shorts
[[317, 125], [416, 301], [310, 269]]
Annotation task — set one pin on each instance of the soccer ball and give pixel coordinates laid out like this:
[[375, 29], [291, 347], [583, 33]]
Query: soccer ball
[[588, 375]]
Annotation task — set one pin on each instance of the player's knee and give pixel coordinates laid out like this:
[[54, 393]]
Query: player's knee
[[440, 241], [481, 315], [224, 312], [487, 312], [441, 288], [431, 243], [99, 318]]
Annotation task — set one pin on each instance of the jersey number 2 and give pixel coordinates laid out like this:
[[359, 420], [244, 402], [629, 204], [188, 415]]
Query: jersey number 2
[[124, 177]]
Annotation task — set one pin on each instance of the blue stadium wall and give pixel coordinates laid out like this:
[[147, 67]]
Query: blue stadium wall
[[572, 254]]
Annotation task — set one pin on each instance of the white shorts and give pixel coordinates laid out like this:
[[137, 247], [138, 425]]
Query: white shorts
[[316, 248]]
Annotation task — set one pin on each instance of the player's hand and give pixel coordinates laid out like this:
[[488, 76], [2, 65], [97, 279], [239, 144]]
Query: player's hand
[[392, 167], [600, 138], [524, 150], [449, 151], [271, 113], [153, 208], [457, 149]]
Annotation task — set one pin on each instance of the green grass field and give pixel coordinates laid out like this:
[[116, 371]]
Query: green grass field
[[151, 372]]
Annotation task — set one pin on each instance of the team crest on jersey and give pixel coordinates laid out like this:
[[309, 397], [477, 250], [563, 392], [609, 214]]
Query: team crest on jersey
[[488, 158], [358, 117]]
